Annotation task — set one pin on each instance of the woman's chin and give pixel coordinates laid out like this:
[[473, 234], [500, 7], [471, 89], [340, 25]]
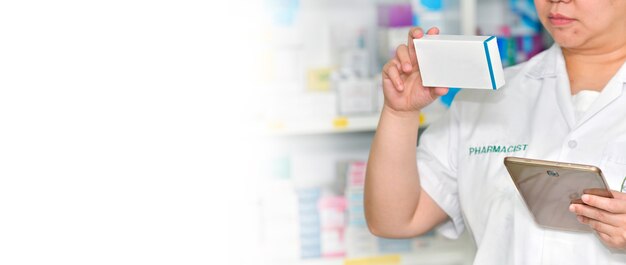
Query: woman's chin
[[566, 41]]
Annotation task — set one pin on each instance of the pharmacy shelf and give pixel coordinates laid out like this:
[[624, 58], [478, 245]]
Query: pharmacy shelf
[[343, 124], [450, 255], [439, 252], [333, 125], [323, 126], [438, 258]]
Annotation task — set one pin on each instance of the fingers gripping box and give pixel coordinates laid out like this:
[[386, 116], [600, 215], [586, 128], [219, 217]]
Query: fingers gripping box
[[459, 61]]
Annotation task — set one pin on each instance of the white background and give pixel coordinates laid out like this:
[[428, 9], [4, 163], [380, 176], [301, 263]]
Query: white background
[[123, 135]]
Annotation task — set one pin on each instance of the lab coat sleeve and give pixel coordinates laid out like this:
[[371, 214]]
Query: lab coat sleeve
[[436, 163]]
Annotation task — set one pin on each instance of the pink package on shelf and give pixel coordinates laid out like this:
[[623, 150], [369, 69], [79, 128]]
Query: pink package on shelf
[[356, 174], [332, 211]]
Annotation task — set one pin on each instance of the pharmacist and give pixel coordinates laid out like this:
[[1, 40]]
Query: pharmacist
[[566, 104]]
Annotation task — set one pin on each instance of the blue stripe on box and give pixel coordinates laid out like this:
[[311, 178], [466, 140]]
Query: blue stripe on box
[[493, 80]]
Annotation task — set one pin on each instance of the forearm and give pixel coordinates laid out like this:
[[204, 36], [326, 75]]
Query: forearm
[[392, 188]]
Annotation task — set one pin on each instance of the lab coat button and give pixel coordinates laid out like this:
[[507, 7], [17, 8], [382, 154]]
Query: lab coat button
[[572, 144]]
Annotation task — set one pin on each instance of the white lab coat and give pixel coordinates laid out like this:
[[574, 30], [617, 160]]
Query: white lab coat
[[460, 160]]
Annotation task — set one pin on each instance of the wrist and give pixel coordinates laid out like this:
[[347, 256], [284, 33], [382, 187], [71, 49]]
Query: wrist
[[399, 124], [402, 115]]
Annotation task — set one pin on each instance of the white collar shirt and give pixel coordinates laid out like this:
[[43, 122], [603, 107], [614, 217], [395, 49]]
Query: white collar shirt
[[460, 160]]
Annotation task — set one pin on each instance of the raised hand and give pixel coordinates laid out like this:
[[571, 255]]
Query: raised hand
[[402, 83]]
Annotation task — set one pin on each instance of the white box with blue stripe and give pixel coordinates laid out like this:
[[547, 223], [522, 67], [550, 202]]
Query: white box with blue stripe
[[459, 61]]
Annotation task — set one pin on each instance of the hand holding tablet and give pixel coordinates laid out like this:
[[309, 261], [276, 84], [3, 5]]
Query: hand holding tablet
[[549, 187]]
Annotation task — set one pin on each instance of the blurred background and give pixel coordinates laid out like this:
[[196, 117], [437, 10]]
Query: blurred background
[[320, 94], [211, 132]]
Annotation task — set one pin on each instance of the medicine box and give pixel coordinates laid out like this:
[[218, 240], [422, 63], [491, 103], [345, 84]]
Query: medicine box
[[459, 61]]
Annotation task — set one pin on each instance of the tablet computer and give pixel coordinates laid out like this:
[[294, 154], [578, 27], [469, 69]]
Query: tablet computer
[[549, 187]]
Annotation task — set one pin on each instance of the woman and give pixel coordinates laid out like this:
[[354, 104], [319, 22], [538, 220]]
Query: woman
[[565, 104]]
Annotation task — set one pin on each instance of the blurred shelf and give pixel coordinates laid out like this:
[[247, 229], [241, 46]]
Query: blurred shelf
[[342, 124], [432, 257], [456, 252], [324, 126]]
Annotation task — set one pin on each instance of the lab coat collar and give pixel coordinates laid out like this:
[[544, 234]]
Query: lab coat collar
[[553, 65], [547, 66], [611, 91], [546, 69]]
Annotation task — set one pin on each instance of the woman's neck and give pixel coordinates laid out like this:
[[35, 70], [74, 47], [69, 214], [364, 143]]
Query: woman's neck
[[592, 69]]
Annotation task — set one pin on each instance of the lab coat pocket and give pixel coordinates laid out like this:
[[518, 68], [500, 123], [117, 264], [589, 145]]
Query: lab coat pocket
[[613, 165]]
